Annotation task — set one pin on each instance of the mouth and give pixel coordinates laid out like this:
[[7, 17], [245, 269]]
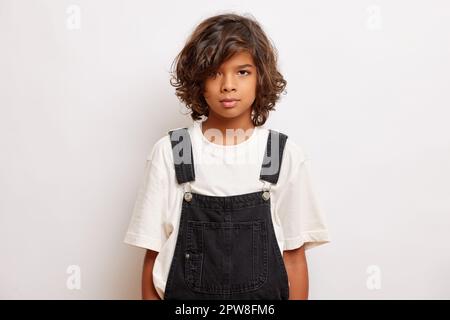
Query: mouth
[[229, 103]]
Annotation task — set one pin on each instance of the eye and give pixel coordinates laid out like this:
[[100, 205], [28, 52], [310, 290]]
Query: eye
[[244, 71], [213, 74]]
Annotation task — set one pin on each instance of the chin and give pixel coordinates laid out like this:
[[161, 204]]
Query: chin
[[229, 113]]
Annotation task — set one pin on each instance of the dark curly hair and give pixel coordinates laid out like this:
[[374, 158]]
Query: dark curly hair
[[214, 41]]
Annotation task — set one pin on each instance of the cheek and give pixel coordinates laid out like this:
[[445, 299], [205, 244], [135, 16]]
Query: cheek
[[206, 92], [208, 88], [251, 87]]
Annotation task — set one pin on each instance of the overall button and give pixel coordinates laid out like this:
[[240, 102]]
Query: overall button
[[188, 196], [266, 195]]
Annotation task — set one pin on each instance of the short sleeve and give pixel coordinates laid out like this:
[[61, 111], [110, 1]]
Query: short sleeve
[[298, 211], [146, 227]]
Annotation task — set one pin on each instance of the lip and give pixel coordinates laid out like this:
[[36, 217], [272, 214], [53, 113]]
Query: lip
[[229, 103]]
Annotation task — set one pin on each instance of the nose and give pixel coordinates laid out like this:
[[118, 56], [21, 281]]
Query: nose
[[228, 83]]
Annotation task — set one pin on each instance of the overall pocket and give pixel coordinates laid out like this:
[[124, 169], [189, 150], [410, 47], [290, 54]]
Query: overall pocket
[[226, 257]]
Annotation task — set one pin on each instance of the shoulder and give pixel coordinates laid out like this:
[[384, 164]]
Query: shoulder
[[294, 152], [160, 153], [294, 155], [159, 148]]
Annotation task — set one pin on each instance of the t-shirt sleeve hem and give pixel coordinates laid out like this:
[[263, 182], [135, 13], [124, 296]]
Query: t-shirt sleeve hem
[[309, 239], [143, 241]]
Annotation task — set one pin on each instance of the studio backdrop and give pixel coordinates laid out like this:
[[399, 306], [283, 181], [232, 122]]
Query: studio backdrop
[[85, 93]]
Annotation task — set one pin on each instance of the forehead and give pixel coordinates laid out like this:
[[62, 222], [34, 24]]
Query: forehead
[[238, 59]]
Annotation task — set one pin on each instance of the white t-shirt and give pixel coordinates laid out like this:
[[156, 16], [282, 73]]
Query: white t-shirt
[[223, 170]]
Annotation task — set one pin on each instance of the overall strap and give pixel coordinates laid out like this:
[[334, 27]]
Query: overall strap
[[273, 156], [182, 155]]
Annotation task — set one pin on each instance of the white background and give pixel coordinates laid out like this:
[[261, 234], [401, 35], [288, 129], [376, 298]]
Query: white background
[[84, 94]]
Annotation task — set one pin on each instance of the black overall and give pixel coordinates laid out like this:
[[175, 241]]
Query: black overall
[[226, 246]]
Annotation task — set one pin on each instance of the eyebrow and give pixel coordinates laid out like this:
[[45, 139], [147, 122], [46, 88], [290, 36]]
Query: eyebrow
[[244, 66]]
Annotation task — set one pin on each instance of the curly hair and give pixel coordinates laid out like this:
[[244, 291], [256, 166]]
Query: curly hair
[[215, 40]]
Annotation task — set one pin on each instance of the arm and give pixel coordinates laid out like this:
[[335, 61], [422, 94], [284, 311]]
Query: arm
[[148, 290], [297, 269]]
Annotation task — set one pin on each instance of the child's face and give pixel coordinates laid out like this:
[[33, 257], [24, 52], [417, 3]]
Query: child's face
[[236, 78]]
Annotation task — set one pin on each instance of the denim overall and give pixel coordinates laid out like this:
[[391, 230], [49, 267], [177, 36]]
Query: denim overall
[[226, 246]]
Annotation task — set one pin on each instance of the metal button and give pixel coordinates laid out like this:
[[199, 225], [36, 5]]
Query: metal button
[[187, 255], [266, 195], [187, 196]]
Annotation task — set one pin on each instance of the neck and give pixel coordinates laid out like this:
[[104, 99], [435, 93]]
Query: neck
[[230, 130]]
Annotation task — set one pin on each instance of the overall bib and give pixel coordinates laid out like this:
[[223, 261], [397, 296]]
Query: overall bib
[[226, 246]]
